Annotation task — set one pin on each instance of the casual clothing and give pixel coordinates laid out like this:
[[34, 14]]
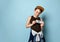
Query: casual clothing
[[36, 27], [36, 34]]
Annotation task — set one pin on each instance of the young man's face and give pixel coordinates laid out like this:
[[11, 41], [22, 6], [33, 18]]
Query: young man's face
[[37, 12]]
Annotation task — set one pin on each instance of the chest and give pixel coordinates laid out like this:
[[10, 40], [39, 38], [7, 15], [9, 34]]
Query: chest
[[34, 19]]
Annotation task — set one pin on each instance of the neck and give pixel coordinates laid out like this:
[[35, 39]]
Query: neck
[[35, 16]]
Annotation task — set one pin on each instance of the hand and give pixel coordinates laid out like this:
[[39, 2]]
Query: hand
[[33, 22]]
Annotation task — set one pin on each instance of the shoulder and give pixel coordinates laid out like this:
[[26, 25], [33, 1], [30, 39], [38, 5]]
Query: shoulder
[[29, 17], [41, 19]]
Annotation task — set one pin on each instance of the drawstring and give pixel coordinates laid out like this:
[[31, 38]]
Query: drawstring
[[37, 37]]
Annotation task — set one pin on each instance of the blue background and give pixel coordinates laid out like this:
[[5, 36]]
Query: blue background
[[14, 14]]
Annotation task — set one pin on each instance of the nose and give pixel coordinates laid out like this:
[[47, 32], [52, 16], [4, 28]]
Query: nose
[[37, 12]]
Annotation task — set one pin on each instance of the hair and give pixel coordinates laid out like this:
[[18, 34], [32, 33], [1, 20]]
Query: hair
[[40, 8]]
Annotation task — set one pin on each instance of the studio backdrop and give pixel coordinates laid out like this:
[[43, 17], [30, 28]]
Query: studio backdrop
[[14, 14]]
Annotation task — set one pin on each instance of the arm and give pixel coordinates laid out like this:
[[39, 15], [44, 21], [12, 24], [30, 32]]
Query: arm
[[42, 23], [28, 22]]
